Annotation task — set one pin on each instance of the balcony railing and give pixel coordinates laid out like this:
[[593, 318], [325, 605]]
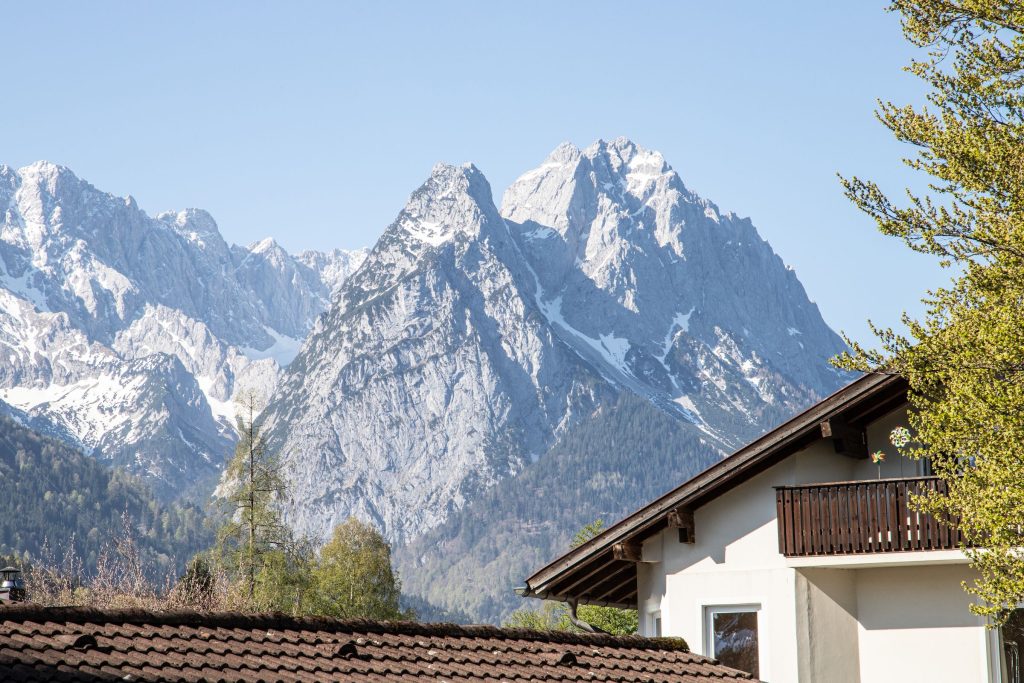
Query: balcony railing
[[853, 517]]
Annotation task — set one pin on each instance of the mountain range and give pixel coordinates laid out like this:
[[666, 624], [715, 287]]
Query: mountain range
[[479, 384], [476, 343], [127, 335]]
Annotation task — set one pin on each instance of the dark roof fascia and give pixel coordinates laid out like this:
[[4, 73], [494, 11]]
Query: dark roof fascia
[[780, 442]]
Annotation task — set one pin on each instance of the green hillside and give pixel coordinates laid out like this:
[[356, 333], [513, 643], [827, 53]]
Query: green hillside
[[53, 494]]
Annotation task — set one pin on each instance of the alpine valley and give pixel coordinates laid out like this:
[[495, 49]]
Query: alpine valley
[[479, 384]]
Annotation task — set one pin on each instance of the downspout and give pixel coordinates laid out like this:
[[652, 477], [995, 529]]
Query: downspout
[[579, 623]]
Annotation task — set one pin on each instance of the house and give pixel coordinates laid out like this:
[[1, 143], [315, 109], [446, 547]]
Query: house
[[798, 559], [79, 644]]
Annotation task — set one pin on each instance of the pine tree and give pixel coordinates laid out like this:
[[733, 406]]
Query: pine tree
[[253, 530], [965, 360]]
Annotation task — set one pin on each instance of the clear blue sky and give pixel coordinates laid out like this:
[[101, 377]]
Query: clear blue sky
[[312, 122]]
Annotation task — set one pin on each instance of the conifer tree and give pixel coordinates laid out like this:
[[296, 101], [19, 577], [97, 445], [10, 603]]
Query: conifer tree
[[965, 359], [253, 531]]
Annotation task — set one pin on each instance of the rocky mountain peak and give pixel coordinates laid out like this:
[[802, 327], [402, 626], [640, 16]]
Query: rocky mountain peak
[[453, 201], [267, 244], [190, 223], [335, 266], [98, 298], [624, 153], [47, 172]]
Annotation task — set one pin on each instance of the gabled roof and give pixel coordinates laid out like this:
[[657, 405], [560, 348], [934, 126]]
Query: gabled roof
[[591, 574], [65, 644]]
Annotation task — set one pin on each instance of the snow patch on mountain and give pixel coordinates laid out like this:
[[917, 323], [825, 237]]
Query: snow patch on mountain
[[469, 339], [129, 335], [282, 351]]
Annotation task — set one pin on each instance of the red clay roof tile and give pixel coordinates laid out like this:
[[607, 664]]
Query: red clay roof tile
[[79, 644]]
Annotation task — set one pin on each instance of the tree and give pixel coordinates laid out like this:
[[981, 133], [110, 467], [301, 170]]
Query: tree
[[550, 616], [253, 530], [964, 360], [554, 616], [285, 578], [353, 578]]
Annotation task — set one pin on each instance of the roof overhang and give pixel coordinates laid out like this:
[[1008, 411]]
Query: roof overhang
[[594, 572]]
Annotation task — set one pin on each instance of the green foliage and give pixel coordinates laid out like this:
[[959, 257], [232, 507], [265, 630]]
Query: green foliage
[[550, 616], [554, 616], [621, 622], [252, 540], [284, 580], [965, 360], [55, 497], [626, 453], [350, 577], [199, 577], [353, 576], [587, 532]]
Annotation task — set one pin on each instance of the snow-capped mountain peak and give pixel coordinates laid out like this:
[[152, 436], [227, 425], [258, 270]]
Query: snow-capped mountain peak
[[447, 205], [190, 222], [105, 307], [267, 244], [467, 342]]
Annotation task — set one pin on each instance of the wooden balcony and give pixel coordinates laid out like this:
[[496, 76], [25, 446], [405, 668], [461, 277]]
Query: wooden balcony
[[855, 517]]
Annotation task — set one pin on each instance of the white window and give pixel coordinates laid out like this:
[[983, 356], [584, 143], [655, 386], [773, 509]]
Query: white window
[[732, 636], [654, 624]]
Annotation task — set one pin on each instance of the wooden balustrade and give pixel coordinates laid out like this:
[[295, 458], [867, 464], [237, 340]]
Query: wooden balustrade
[[846, 518]]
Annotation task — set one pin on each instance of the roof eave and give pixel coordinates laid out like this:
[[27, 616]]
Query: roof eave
[[726, 473]]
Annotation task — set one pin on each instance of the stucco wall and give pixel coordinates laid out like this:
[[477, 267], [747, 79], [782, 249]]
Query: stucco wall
[[735, 560], [827, 630], [915, 626]]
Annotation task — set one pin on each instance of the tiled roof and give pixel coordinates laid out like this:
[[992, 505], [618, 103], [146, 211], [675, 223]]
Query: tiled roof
[[74, 644]]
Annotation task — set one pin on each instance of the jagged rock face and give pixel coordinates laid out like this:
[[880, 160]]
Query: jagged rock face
[[466, 344], [431, 377], [683, 302], [333, 266], [128, 335], [292, 292]]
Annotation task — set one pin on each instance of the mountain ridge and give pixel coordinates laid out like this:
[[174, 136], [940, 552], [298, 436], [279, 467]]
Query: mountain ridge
[[110, 316], [608, 296], [597, 337]]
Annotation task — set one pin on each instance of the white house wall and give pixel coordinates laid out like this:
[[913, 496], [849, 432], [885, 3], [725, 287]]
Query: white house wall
[[915, 626], [827, 631], [735, 560], [816, 624]]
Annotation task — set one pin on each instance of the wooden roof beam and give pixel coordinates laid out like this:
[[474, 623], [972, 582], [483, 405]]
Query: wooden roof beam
[[682, 518], [600, 566], [846, 439], [628, 551], [611, 592]]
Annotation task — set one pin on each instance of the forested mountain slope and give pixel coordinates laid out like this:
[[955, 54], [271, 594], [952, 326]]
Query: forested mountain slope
[[54, 495]]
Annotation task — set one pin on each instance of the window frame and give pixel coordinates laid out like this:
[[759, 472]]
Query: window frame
[[995, 644], [655, 624], [708, 612]]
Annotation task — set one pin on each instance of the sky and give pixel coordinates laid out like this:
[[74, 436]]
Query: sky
[[312, 122]]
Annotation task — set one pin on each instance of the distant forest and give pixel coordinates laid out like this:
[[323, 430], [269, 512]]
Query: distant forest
[[610, 464], [57, 498]]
